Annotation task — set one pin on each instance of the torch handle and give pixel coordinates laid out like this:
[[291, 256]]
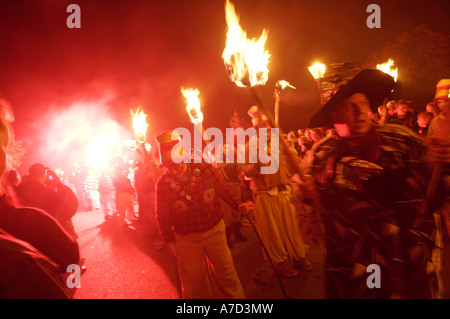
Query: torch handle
[[142, 151], [277, 110]]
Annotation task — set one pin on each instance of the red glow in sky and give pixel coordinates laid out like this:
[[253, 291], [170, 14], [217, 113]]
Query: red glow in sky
[[141, 52]]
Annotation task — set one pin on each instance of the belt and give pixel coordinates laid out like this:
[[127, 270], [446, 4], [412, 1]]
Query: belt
[[274, 190]]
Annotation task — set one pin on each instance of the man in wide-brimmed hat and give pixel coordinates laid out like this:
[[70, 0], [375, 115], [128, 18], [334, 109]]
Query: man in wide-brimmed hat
[[369, 182], [190, 220]]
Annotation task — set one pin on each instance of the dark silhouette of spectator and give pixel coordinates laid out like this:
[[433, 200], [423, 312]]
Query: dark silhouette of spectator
[[34, 192], [67, 205], [27, 273], [43, 189], [34, 248]]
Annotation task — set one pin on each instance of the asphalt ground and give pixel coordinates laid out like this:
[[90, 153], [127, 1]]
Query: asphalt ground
[[122, 263]]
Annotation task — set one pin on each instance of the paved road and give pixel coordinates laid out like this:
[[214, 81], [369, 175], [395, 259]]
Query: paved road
[[123, 264]]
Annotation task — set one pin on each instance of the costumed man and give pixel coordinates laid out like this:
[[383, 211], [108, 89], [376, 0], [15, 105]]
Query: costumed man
[[190, 220], [369, 183], [275, 215]]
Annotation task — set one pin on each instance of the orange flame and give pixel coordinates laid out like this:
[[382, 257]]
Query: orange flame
[[193, 105], [246, 59], [284, 84], [139, 125], [317, 70], [388, 68]]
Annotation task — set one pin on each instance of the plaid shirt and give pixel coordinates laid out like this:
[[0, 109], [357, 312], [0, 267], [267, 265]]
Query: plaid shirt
[[192, 206]]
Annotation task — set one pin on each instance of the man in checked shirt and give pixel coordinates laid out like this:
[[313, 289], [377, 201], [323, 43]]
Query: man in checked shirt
[[189, 216]]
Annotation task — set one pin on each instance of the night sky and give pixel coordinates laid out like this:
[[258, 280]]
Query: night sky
[[141, 52]]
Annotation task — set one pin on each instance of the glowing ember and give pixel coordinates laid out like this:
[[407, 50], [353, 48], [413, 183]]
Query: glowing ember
[[389, 69], [139, 125], [131, 144], [284, 84], [245, 59], [193, 105], [317, 70]]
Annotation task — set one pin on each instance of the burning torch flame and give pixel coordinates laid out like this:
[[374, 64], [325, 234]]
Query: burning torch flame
[[388, 68], [245, 59], [317, 70], [193, 105], [139, 125]]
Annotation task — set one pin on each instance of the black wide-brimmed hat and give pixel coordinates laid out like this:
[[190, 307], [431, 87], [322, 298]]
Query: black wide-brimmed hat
[[374, 84]]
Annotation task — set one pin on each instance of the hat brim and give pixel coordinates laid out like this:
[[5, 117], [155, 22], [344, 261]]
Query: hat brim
[[374, 84]]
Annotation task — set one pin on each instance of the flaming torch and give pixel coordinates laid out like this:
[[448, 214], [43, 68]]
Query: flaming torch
[[241, 63], [140, 130], [193, 105], [139, 125], [245, 59], [246, 62], [317, 70], [193, 108], [389, 69]]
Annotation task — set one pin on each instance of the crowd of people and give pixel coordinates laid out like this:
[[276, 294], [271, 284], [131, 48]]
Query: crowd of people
[[377, 187], [375, 179], [393, 112]]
